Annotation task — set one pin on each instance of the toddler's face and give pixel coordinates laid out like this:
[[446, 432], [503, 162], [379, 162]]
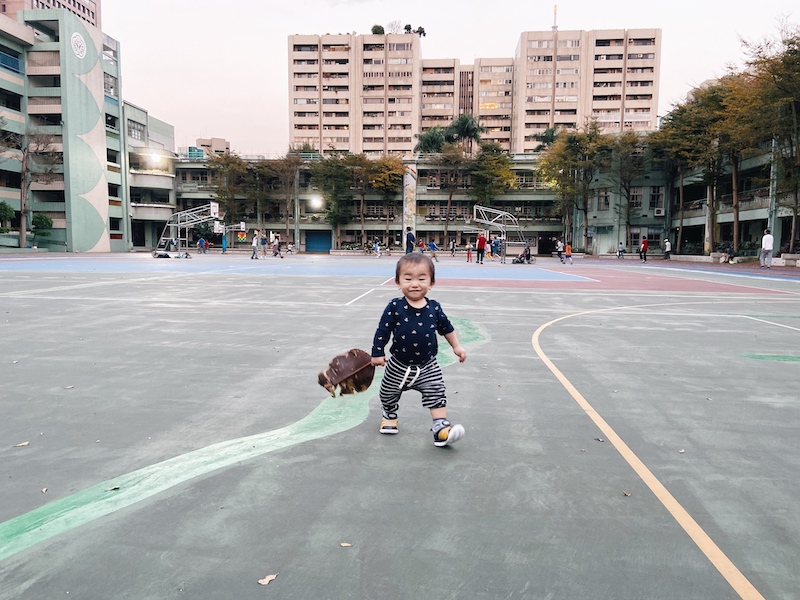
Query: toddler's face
[[415, 282]]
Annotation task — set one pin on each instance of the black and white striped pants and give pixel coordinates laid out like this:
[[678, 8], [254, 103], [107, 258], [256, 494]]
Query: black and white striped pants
[[426, 379]]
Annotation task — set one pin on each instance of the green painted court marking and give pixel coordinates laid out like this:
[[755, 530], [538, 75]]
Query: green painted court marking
[[773, 357], [332, 416]]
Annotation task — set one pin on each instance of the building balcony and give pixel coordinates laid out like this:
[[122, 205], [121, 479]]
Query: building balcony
[[151, 180]]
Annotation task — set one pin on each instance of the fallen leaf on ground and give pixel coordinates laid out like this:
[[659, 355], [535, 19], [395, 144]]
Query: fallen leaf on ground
[[20, 445], [267, 579], [626, 493], [681, 451], [44, 490], [600, 439], [346, 545], [68, 387]]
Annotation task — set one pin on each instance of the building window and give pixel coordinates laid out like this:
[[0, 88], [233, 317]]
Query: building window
[[109, 85], [656, 197], [135, 130], [115, 224], [635, 199], [603, 199]]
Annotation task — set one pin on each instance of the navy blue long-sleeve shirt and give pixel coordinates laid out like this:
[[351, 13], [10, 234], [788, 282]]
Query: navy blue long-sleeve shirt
[[412, 331]]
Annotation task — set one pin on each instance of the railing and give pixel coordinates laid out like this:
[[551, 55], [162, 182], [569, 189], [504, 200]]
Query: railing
[[12, 64]]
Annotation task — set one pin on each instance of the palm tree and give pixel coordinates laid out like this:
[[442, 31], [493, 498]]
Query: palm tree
[[465, 129], [456, 162], [431, 141]]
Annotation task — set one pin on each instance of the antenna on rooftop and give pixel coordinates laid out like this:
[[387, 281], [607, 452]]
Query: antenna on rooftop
[[555, 17]]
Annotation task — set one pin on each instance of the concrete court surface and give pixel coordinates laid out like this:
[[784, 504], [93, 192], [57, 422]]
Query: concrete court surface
[[631, 433]]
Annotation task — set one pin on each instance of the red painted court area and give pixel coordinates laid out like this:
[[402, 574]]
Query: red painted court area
[[599, 279]]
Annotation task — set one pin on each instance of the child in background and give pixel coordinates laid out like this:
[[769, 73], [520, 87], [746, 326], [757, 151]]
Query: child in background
[[469, 252], [412, 322], [568, 253]]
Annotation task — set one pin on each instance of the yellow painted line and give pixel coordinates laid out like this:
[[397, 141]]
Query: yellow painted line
[[723, 564]]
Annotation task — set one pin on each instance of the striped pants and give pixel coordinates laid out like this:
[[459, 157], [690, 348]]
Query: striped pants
[[426, 379]]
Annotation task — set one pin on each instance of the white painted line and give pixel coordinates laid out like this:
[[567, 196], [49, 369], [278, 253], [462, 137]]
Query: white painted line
[[735, 578], [360, 297], [770, 323]]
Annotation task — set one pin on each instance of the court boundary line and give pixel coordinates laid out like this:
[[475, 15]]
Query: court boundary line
[[735, 578]]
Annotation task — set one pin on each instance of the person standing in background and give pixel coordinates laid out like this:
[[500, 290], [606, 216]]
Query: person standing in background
[[410, 240], [767, 242]]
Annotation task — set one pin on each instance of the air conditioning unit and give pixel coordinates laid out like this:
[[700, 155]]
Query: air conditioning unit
[[659, 212]]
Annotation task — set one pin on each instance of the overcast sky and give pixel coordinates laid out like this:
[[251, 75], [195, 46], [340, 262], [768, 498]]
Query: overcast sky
[[219, 69]]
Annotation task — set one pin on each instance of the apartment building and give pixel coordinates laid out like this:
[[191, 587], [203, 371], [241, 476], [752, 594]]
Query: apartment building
[[355, 93], [566, 77], [373, 93], [439, 104], [87, 10]]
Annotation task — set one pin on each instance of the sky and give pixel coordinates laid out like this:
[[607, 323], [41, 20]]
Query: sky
[[220, 69]]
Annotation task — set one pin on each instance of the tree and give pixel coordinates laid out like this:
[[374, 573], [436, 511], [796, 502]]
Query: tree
[[547, 138], [41, 224], [360, 169], [491, 173], [377, 30], [420, 31], [333, 178], [624, 163], [455, 162], [571, 161], [675, 140], [286, 170], [230, 183], [386, 178], [431, 141], [466, 130], [736, 131], [394, 27], [407, 28], [40, 161], [776, 64], [6, 212]]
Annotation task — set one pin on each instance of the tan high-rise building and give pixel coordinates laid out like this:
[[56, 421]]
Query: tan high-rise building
[[374, 93], [355, 93], [88, 10], [564, 78]]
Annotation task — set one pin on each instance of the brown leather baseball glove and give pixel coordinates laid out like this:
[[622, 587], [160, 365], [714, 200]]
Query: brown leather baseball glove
[[352, 371]]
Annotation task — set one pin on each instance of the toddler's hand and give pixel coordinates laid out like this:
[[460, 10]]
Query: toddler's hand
[[460, 353], [378, 361]]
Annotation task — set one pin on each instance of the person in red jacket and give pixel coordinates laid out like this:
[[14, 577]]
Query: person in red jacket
[[643, 250], [481, 248]]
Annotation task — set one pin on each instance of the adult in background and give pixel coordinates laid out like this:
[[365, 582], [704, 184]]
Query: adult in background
[[667, 248], [410, 240], [560, 250], [254, 244], [643, 250], [481, 246], [434, 249], [767, 242]]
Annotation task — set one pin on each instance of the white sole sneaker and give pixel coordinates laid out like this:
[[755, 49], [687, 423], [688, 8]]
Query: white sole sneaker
[[456, 433]]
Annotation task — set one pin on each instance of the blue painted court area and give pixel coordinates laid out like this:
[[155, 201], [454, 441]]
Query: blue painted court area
[[298, 265]]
